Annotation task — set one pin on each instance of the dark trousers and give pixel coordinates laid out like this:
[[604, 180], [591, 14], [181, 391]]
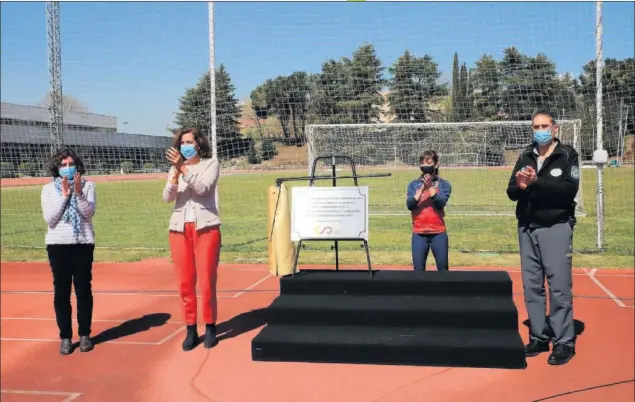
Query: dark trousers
[[72, 265], [546, 252], [421, 246]]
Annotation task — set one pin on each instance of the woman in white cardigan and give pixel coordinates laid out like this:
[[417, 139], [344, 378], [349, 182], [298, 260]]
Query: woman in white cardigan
[[68, 206], [194, 235]]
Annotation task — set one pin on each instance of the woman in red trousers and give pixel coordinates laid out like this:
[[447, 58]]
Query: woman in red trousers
[[195, 236]]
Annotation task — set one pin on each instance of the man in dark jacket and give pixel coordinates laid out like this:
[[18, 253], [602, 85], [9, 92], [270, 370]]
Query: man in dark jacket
[[544, 185]]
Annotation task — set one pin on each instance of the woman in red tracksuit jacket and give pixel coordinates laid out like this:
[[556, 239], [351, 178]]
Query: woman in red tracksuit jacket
[[426, 200]]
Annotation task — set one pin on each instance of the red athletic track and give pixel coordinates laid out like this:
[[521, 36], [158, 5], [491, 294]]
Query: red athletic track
[[149, 366], [38, 181]]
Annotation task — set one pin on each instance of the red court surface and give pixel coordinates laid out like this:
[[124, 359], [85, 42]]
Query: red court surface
[[140, 359]]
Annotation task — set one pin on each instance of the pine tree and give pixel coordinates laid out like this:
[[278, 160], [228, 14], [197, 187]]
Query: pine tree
[[364, 85], [195, 111], [455, 88], [414, 86], [462, 99]]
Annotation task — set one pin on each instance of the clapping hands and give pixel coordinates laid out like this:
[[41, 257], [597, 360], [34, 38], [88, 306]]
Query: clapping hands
[[66, 187], [525, 177], [174, 157], [77, 185], [426, 181]]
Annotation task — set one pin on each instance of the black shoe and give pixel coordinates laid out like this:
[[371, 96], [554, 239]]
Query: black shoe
[[561, 354], [191, 339], [85, 344], [210, 336], [534, 348], [66, 347]]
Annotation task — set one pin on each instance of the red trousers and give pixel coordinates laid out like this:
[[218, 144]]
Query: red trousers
[[197, 253]]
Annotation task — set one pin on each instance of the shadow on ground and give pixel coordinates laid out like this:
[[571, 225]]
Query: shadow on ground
[[578, 326], [132, 327], [242, 323]]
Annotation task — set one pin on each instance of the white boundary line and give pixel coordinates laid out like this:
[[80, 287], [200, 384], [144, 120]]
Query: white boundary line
[[511, 270], [74, 320], [265, 269], [70, 396], [97, 293], [160, 342], [170, 336], [610, 275], [585, 273], [57, 340], [591, 275], [253, 285]]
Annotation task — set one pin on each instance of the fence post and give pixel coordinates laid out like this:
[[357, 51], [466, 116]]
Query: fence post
[[600, 156], [212, 87]]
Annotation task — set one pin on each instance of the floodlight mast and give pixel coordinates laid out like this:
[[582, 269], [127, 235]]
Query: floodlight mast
[[55, 100]]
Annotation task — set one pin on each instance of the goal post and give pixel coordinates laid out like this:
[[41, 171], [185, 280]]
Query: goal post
[[476, 157]]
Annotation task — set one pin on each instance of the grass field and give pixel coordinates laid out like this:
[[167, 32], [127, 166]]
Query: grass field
[[131, 220]]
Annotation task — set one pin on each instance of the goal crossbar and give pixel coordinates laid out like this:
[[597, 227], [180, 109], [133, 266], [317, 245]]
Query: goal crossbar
[[475, 156]]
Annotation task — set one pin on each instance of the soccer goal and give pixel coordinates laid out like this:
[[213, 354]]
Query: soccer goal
[[476, 157]]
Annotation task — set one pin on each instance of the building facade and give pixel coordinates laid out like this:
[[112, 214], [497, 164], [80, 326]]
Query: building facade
[[25, 143], [12, 114]]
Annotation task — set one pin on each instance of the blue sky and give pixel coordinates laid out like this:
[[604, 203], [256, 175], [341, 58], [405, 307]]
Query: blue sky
[[134, 60]]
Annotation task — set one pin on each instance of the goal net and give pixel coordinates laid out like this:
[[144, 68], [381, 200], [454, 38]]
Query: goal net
[[374, 81], [476, 157]]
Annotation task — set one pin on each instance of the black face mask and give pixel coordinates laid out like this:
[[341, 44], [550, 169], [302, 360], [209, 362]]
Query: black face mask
[[427, 169]]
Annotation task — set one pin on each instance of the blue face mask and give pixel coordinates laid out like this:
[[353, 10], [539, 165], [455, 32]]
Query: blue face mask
[[188, 151], [542, 137], [68, 172]]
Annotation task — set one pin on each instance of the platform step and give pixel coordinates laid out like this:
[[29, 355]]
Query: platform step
[[377, 345], [401, 310], [426, 283]]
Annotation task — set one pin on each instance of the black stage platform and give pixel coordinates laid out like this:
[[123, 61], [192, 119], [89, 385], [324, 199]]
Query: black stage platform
[[454, 319]]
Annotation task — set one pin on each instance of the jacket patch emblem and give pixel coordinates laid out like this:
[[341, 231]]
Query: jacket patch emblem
[[575, 173], [557, 172]]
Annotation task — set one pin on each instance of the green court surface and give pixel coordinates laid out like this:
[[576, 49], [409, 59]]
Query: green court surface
[[131, 220]]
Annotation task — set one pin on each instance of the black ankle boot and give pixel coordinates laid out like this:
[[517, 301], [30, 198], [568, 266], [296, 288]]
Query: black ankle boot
[[210, 336], [66, 347], [191, 339]]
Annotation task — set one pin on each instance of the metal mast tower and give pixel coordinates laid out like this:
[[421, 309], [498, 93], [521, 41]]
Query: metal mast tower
[[55, 73]]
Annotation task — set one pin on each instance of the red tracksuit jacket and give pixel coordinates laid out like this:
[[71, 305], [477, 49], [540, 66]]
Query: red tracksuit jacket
[[428, 213]]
